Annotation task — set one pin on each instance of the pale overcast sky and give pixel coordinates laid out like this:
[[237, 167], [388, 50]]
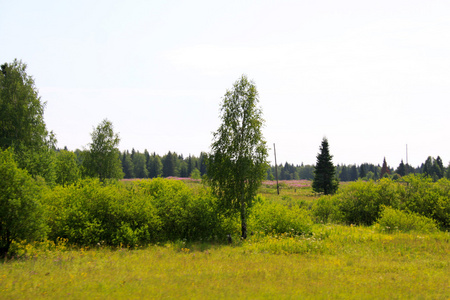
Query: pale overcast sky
[[371, 76]]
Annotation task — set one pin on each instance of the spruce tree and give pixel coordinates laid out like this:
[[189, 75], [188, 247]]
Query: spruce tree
[[427, 168], [362, 171], [401, 170], [169, 164], [353, 173], [127, 165], [325, 180], [384, 169], [438, 167], [343, 175], [154, 166], [140, 165]]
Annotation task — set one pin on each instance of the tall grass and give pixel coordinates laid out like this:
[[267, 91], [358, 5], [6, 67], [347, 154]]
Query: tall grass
[[342, 262], [286, 257]]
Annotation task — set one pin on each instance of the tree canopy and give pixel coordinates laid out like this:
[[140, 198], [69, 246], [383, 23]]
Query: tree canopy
[[103, 158], [21, 213], [237, 163], [22, 125]]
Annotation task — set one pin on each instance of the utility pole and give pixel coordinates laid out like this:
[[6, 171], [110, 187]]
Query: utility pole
[[276, 168]]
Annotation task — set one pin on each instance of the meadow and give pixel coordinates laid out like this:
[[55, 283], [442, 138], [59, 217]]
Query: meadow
[[330, 260]]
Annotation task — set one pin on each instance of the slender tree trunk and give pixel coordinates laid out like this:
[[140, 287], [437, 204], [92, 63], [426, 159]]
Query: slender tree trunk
[[243, 218]]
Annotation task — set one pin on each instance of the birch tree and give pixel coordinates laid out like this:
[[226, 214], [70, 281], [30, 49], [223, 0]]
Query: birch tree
[[238, 163]]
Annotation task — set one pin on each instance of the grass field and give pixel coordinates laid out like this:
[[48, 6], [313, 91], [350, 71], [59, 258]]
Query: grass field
[[336, 262]]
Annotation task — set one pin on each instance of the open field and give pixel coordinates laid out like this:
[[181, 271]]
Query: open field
[[336, 262]]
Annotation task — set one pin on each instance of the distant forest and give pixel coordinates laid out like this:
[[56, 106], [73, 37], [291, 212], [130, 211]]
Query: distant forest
[[150, 165]]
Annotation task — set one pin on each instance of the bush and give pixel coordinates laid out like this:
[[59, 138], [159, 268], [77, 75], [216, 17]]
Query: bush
[[272, 217], [92, 213], [186, 213], [393, 219], [326, 210], [361, 202], [428, 198], [141, 212], [21, 212]]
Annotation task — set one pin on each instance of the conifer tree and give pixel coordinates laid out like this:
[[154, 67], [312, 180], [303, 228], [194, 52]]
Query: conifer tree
[[362, 171], [140, 165], [154, 166], [353, 173], [343, 175], [384, 169], [427, 168], [325, 180], [401, 170], [438, 167], [169, 164], [127, 165]]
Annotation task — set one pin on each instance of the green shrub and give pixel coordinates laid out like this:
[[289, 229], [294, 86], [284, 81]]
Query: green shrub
[[273, 217], [428, 198], [186, 213], [393, 219], [360, 202], [326, 210], [92, 213], [21, 212]]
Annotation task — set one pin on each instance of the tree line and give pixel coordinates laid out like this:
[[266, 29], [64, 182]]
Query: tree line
[[432, 167], [235, 168], [22, 128]]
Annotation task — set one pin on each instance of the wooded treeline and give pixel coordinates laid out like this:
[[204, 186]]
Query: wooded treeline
[[432, 167], [22, 128], [136, 164], [146, 165]]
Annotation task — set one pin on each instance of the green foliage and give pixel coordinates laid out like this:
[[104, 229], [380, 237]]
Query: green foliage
[[91, 213], [238, 162], [140, 165], [103, 158], [135, 213], [195, 174], [154, 166], [335, 262], [361, 202], [325, 180], [428, 198], [433, 168], [22, 125], [169, 164], [396, 220], [326, 210], [21, 213], [66, 168], [275, 218], [185, 213], [127, 165], [385, 171]]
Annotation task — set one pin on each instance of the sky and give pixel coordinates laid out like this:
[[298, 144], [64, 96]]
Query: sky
[[373, 77]]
